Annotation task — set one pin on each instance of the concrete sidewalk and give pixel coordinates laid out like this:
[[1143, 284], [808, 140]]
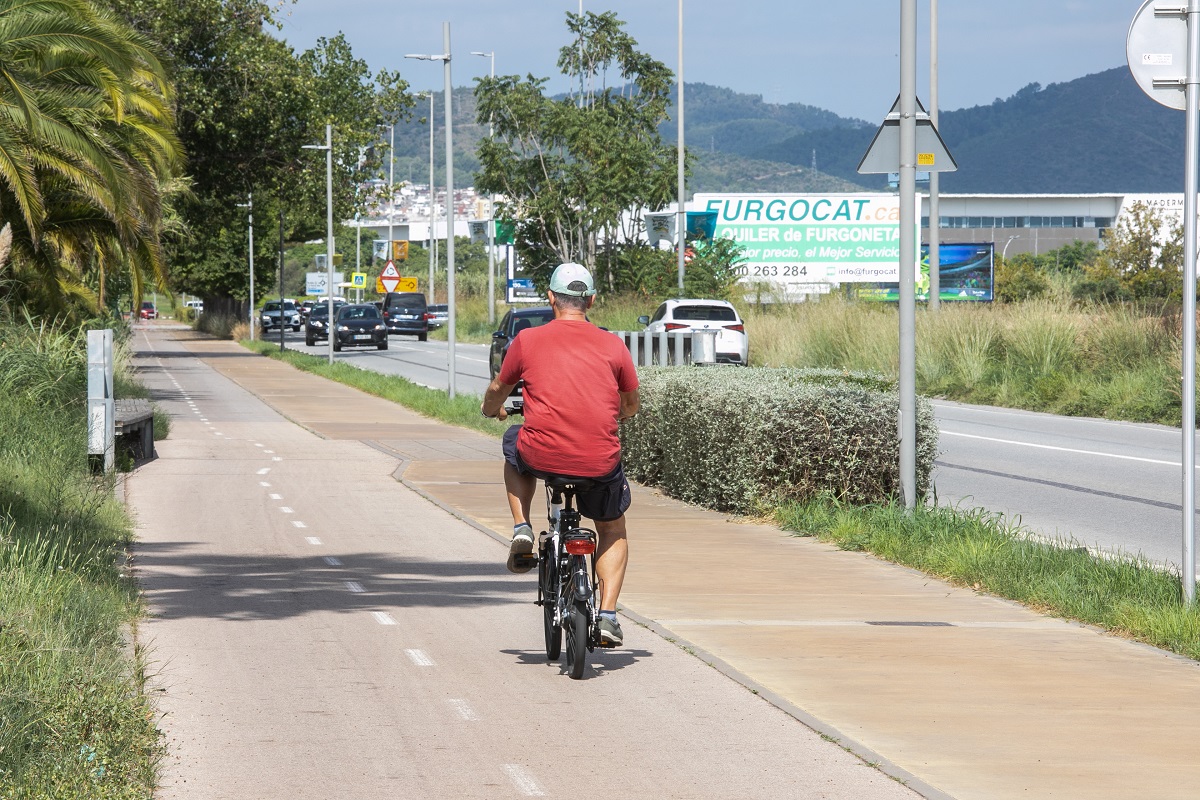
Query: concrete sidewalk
[[955, 693]]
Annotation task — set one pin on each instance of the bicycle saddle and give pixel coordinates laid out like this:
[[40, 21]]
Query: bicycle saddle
[[562, 482]]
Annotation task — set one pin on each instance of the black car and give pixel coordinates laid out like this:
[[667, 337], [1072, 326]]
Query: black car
[[515, 321], [407, 313], [359, 326], [316, 325]]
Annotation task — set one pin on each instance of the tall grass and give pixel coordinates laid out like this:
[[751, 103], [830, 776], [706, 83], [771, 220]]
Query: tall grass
[[1046, 355], [74, 721]]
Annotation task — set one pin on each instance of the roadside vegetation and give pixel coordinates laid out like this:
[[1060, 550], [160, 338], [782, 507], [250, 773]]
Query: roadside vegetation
[[74, 717]]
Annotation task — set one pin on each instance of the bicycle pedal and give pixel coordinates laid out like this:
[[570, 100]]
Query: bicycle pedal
[[526, 560]]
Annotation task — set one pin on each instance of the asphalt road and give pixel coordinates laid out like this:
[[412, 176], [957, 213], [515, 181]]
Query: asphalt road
[[1113, 486], [317, 630]]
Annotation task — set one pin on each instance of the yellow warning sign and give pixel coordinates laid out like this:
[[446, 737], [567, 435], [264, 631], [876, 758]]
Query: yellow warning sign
[[407, 285], [926, 159]]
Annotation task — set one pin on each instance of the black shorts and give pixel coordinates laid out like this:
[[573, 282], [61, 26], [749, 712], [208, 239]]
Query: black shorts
[[607, 502]]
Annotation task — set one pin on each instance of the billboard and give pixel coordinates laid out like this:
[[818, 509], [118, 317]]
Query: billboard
[[520, 285], [966, 273], [793, 240]]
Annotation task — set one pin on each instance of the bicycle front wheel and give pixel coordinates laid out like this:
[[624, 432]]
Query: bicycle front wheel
[[576, 624], [548, 576]]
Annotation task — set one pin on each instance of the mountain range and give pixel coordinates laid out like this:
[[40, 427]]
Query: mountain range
[[1096, 134]]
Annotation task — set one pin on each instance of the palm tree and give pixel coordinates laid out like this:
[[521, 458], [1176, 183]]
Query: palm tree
[[87, 146]]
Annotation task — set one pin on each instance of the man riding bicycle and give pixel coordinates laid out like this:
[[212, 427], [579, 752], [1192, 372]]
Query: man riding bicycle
[[579, 383]]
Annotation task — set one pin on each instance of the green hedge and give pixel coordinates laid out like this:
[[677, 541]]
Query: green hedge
[[743, 440]]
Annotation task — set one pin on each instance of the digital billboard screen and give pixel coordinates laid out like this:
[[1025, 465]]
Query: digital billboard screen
[[966, 273]]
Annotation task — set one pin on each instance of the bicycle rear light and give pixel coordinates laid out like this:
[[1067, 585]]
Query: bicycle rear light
[[580, 547]]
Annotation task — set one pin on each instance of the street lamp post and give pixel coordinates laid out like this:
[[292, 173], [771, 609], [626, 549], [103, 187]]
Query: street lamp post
[[1004, 250], [249, 204], [935, 219], [450, 323], [328, 148], [432, 200], [491, 216]]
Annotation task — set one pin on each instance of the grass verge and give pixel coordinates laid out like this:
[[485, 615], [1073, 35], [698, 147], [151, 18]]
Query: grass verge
[[982, 551], [74, 717], [435, 403]]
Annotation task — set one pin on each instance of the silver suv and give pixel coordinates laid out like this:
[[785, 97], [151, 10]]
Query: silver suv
[[275, 314]]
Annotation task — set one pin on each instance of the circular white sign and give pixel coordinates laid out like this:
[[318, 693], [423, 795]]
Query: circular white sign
[[1156, 48]]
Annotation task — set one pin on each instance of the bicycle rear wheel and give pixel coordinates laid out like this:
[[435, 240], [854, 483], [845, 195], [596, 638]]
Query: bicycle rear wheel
[[548, 576], [576, 624]]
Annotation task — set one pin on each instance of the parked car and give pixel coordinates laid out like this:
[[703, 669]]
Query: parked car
[[405, 312], [733, 346], [359, 325], [316, 326], [148, 311], [195, 305], [515, 321], [438, 315], [276, 314]]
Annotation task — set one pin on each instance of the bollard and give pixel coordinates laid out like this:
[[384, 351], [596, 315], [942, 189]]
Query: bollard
[[704, 346]]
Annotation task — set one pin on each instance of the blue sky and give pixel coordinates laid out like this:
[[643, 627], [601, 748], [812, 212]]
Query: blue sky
[[841, 55]]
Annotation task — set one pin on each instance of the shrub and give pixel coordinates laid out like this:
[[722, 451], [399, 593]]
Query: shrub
[[741, 440], [1019, 279]]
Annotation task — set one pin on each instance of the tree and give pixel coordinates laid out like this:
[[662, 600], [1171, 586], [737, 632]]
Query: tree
[[87, 152], [247, 106], [581, 167], [1144, 259]]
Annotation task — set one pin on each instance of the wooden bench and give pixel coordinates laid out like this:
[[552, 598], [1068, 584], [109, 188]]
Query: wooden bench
[[135, 419]]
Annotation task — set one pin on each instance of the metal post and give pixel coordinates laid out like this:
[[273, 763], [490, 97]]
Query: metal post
[[908, 180], [391, 248], [450, 327], [681, 219], [432, 203], [249, 204], [935, 233], [281, 309], [1192, 185], [329, 234], [491, 218], [358, 249]]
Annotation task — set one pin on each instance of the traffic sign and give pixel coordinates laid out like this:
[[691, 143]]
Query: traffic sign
[[390, 277], [883, 156], [406, 285], [1156, 47], [358, 280], [400, 250]]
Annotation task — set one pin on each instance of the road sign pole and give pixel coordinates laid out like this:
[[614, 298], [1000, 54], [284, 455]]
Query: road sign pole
[[935, 233], [1161, 37], [1191, 185], [908, 250]]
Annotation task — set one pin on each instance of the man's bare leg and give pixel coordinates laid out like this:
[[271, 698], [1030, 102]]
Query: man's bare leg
[[521, 489], [612, 557]]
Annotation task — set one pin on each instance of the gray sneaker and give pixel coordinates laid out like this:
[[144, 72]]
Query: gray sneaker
[[520, 550], [610, 633]]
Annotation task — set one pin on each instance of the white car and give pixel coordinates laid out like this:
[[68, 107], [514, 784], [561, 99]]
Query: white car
[[733, 346]]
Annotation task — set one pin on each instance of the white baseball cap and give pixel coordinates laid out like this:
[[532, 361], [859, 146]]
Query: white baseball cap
[[572, 279]]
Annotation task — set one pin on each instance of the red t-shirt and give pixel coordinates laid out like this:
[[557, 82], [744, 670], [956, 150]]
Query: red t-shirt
[[574, 373]]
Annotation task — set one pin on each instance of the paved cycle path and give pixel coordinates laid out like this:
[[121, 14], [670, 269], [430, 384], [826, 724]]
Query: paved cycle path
[[956, 693]]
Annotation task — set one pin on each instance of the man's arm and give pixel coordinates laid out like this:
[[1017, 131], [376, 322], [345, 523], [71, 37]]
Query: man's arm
[[629, 404], [494, 397]]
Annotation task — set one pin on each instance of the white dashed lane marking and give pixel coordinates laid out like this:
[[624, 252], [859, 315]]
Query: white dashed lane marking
[[524, 782], [277, 458], [313, 541], [275, 496], [383, 618], [286, 510], [419, 658], [263, 471], [333, 562], [264, 484], [298, 524], [464, 710], [354, 587]]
